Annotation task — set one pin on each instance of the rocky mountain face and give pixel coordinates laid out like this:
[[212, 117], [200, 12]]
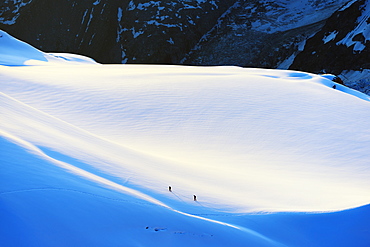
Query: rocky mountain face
[[320, 36], [262, 33], [113, 31], [342, 46]]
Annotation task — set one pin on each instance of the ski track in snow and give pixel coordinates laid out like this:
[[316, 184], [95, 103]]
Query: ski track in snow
[[87, 175]]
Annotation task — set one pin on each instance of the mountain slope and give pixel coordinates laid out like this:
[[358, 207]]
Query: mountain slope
[[342, 46], [246, 33], [261, 33], [113, 31], [88, 152]]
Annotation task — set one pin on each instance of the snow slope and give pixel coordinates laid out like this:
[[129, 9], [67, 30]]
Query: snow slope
[[275, 157], [18, 53]]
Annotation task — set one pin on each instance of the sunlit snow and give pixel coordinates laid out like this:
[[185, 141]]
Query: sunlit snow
[[88, 152]]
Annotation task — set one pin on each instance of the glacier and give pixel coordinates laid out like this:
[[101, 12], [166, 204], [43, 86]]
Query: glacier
[[275, 157]]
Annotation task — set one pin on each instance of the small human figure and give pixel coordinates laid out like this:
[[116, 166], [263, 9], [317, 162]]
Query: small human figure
[[334, 86], [337, 79], [169, 189], [195, 197]]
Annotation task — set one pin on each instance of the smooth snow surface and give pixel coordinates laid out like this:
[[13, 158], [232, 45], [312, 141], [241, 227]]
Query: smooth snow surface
[[88, 153], [14, 52]]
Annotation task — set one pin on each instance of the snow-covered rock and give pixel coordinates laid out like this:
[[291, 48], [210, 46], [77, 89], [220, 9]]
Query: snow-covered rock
[[261, 33], [342, 47], [245, 33], [110, 31]]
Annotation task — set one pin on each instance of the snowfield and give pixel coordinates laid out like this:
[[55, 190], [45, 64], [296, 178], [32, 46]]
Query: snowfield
[[88, 151]]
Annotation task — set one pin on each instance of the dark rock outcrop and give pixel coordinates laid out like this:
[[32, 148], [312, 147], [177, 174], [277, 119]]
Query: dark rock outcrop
[[343, 43], [112, 31]]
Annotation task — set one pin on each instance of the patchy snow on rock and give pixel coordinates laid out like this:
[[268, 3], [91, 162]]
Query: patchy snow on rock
[[282, 15], [15, 8], [330, 37], [361, 34], [347, 5], [289, 61]]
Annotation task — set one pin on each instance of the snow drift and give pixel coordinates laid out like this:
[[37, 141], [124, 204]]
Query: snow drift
[[275, 157], [18, 53]]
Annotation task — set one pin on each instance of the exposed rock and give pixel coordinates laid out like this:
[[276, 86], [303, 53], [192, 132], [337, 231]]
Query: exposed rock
[[111, 31], [261, 33], [342, 44], [341, 47]]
